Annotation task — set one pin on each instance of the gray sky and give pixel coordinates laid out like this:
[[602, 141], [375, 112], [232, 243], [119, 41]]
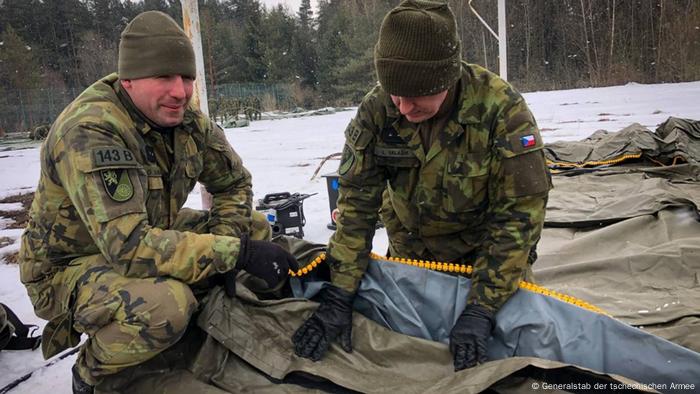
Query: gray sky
[[293, 5]]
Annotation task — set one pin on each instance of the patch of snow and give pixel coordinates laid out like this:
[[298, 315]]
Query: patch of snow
[[11, 206]]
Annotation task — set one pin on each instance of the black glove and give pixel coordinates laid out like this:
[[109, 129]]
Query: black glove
[[268, 261], [469, 335], [332, 320]]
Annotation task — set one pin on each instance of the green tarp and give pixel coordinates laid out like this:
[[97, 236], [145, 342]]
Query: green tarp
[[625, 238]]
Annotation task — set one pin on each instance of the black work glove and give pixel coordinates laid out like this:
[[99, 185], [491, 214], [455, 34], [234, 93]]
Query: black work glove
[[469, 335], [331, 321], [268, 261]]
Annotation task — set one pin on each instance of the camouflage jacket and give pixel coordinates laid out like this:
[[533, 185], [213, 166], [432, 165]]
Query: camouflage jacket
[[476, 196], [112, 184]]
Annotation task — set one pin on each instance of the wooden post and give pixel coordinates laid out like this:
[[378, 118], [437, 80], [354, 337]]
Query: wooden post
[[190, 23], [502, 40], [501, 36]]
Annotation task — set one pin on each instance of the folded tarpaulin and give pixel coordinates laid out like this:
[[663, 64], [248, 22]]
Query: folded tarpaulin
[[676, 139], [243, 344], [251, 336], [610, 177], [602, 197], [644, 270]]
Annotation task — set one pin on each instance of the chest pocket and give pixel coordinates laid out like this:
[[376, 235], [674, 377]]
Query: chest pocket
[[465, 181], [155, 198], [194, 165]]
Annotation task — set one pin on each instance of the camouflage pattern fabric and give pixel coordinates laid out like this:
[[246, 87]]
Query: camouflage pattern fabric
[[128, 320], [476, 196], [6, 328], [111, 188]]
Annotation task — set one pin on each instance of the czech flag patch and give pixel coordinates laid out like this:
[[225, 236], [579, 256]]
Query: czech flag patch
[[527, 140]]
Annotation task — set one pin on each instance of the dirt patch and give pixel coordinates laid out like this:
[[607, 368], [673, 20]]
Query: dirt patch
[[4, 241], [20, 217], [11, 258], [20, 220]]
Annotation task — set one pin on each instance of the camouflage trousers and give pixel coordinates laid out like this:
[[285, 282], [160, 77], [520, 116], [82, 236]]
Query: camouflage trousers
[[130, 320]]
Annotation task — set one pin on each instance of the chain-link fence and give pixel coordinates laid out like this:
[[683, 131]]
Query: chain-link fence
[[24, 110]]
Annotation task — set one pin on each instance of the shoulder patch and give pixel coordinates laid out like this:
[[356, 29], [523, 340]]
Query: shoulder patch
[[525, 140], [353, 134], [117, 184], [112, 156], [346, 161]]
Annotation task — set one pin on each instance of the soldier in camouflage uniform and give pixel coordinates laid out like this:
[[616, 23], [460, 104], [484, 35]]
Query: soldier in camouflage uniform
[[109, 251], [453, 156]]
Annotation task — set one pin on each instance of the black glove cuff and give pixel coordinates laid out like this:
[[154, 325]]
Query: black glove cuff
[[480, 312], [339, 299]]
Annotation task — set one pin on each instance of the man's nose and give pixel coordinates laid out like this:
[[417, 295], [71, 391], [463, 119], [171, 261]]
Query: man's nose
[[177, 88], [406, 105]]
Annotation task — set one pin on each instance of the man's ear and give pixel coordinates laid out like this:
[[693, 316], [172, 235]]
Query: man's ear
[[126, 83]]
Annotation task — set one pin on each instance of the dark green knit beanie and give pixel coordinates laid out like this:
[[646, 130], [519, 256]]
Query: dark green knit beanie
[[152, 45], [418, 52]]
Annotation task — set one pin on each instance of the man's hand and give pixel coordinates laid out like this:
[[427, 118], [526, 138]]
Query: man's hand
[[469, 335], [268, 261], [331, 321]]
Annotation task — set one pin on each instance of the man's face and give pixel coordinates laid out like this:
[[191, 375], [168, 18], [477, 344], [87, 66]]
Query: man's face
[[162, 99], [419, 109]]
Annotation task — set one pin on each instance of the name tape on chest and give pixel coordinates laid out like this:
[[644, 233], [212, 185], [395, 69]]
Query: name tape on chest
[[394, 152]]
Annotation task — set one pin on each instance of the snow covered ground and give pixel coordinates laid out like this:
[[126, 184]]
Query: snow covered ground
[[283, 154]]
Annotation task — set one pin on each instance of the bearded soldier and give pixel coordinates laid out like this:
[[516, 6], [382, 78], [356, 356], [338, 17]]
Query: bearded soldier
[[109, 251], [452, 155]]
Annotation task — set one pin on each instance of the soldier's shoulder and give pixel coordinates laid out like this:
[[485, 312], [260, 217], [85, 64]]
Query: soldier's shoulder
[[484, 94], [97, 108], [376, 107], [201, 127], [481, 77], [197, 121]]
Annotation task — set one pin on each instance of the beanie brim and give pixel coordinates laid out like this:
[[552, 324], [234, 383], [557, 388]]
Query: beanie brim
[[412, 78]]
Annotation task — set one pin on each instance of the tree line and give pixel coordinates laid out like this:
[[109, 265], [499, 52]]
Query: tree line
[[52, 49]]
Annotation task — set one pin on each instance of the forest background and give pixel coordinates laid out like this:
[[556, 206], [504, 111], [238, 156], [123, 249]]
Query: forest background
[[50, 50]]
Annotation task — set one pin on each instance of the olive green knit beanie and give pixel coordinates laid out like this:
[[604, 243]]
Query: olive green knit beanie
[[153, 44], [418, 52]]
